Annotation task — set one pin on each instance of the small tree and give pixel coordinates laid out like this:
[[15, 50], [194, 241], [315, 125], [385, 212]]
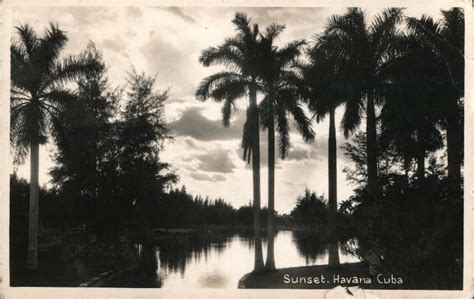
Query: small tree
[[142, 133], [85, 132]]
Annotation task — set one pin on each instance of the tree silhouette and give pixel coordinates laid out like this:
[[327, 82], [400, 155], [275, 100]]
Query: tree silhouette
[[364, 49], [282, 99], [85, 131], [325, 90], [38, 97], [142, 132], [408, 117], [240, 55], [445, 38]]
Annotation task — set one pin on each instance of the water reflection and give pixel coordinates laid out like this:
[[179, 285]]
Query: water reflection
[[176, 252], [219, 261], [311, 246], [145, 274]]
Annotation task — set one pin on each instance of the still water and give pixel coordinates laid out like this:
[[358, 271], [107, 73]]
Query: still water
[[220, 261]]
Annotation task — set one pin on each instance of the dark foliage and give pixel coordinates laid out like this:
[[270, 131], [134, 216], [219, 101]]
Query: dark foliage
[[310, 210], [414, 229]]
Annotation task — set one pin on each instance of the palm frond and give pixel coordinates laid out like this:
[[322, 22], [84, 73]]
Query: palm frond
[[73, 67], [18, 53], [19, 139], [290, 52], [230, 91], [283, 129], [226, 54], [59, 99], [266, 111], [447, 43], [242, 23], [28, 38], [248, 134], [49, 47], [352, 115], [384, 32], [273, 31], [303, 122], [352, 25], [453, 27], [226, 112], [20, 71], [424, 28], [218, 81]]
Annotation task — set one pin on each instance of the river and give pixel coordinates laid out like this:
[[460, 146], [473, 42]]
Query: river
[[219, 261]]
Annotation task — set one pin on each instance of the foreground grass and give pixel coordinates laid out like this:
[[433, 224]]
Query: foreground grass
[[72, 263]]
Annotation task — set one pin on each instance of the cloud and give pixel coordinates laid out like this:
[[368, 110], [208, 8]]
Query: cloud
[[192, 144], [284, 14], [179, 13], [317, 150], [193, 124], [134, 12], [218, 178], [217, 160], [205, 177], [175, 68], [298, 154], [114, 44], [88, 15]]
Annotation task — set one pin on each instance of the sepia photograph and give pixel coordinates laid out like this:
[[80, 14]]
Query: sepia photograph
[[221, 147]]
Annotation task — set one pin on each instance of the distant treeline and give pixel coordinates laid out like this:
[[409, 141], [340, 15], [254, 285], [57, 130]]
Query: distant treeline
[[174, 209]]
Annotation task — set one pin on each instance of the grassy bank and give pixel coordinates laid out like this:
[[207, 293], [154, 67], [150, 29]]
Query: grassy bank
[[57, 272]]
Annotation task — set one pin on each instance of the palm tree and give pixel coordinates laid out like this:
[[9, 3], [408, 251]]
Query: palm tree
[[325, 89], [408, 116], [38, 96], [446, 40], [240, 55], [281, 99], [364, 49]]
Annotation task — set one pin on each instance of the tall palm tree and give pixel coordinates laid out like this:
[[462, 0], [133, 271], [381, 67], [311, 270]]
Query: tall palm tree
[[446, 40], [364, 48], [38, 96], [240, 55], [326, 88], [282, 98]]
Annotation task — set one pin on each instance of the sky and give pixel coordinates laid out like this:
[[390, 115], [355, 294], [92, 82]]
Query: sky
[[166, 43]]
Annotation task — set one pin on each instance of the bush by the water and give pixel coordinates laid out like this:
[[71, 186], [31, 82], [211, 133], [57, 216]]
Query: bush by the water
[[413, 227]]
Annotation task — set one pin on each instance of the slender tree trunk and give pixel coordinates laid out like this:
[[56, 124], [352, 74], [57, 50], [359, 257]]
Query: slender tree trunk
[[406, 167], [32, 258], [258, 266], [332, 170], [270, 263], [371, 147], [420, 172], [454, 136]]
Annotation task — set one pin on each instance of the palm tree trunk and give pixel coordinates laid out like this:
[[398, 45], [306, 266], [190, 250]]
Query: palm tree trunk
[[371, 147], [32, 257], [406, 167], [270, 262], [257, 226], [454, 135], [421, 166], [332, 170]]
